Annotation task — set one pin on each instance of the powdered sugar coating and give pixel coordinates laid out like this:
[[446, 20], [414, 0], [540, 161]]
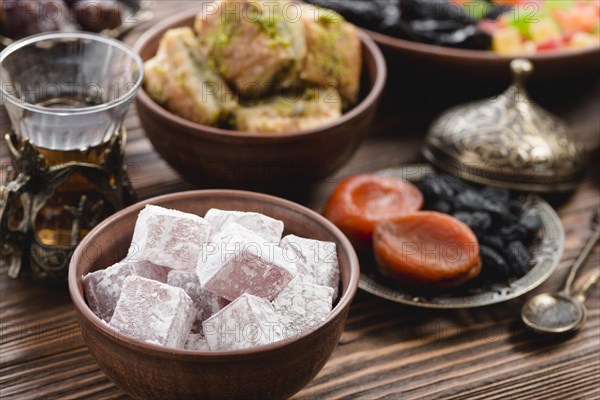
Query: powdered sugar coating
[[103, 287], [301, 306], [240, 261], [247, 322], [148, 270], [316, 261], [268, 228], [169, 238], [152, 311], [206, 302]]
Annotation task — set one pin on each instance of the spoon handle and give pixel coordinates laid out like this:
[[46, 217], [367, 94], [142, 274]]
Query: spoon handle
[[580, 296], [587, 249]]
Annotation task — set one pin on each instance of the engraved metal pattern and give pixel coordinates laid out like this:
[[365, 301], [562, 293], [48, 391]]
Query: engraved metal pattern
[[507, 141], [547, 252], [35, 185]]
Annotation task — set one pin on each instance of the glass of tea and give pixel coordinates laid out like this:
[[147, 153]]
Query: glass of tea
[[66, 95]]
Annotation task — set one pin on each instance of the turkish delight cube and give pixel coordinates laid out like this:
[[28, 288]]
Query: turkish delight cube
[[246, 322], [169, 238], [196, 342], [302, 306], [148, 270], [103, 287], [315, 261], [154, 312], [268, 228], [206, 302], [239, 262]]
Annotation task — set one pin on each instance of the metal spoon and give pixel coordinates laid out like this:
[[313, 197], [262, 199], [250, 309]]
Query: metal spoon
[[564, 311]]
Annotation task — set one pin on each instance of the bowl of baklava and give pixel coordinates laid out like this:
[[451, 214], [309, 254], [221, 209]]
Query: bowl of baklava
[[261, 94]]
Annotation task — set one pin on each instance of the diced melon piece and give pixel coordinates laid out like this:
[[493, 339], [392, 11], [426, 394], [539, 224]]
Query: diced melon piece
[[507, 41], [582, 40], [544, 31], [529, 47]]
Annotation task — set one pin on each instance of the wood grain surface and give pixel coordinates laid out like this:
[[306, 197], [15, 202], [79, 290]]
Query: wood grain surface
[[387, 351]]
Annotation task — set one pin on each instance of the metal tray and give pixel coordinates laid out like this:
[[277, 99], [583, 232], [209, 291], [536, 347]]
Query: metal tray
[[547, 252]]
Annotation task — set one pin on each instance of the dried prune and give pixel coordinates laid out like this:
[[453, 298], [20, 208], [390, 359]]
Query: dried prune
[[433, 186], [532, 221], [493, 241], [478, 221], [513, 232], [442, 206], [493, 263], [468, 200], [434, 10], [496, 10], [448, 33], [471, 200], [455, 183], [381, 15], [495, 194], [518, 258], [515, 207]]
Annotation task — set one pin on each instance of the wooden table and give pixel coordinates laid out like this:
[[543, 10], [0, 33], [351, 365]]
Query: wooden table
[[387, 350]]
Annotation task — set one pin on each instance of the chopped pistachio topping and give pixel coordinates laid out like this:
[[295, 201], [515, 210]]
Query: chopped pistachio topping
[[327, 17], [160, 70]]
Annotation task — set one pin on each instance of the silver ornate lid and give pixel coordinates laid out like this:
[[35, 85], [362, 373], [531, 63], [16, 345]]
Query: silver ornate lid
[[507, 141]]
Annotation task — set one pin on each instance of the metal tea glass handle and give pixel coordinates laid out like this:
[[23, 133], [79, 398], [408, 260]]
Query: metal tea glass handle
[[589, 246]]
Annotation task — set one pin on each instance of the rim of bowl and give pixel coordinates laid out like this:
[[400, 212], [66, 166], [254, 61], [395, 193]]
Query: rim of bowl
[[370, 99], [80, 303], [431, 49], [19, 44]]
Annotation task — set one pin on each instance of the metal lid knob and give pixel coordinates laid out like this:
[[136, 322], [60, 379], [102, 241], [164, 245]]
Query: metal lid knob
[[507, 141]]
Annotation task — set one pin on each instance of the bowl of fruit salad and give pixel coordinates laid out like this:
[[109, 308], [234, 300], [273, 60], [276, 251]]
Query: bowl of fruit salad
[[476, 39], [282, 109]]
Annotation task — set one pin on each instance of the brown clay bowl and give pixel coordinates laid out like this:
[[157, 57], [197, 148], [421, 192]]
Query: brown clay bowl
[[149, 371], [216, 157], [420, 59]]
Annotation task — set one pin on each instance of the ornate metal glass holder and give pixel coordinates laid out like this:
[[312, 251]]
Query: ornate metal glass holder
[[66, 95], [35, 185]]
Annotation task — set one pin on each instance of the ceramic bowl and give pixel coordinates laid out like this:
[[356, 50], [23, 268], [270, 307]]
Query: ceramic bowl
[[149, 371], [217, 157], [420, 60]]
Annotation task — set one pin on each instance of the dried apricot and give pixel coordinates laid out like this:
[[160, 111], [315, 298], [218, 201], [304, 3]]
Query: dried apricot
[[358, 203], [427, 250]]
